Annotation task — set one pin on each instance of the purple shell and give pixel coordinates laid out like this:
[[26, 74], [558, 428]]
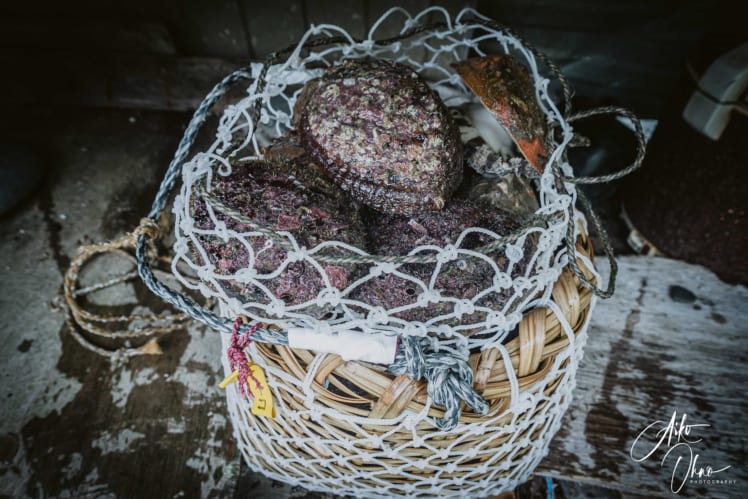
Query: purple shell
[[382, 134], [461, 279], [283, 198]]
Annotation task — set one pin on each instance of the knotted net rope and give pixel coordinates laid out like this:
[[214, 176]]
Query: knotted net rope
[[436, 349]]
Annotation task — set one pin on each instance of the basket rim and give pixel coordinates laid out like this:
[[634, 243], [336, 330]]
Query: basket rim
[[574, 300]]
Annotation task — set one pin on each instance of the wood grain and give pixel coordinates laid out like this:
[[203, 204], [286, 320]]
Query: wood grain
[[672, 339]]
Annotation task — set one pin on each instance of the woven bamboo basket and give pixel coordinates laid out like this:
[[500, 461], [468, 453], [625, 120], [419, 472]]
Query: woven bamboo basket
[[356, 428], [463, 411], [371, 393], [368, 445]]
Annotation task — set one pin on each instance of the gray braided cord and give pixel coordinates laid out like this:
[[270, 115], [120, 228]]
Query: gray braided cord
[[572, 251], [198, 118], [449, 378], [641, 148], [165, 293], [197, 312], [641, 144]]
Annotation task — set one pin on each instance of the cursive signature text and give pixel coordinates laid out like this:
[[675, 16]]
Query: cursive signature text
[[676, 437]]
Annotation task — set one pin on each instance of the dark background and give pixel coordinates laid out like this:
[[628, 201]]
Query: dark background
[[62, 60], [165, 55]]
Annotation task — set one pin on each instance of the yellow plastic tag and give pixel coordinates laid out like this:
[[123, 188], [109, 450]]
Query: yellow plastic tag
[[263, 398], [263, 404]]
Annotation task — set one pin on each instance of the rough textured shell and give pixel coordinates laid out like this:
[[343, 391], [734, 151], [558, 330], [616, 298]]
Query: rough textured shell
[[382, 134], [284, 197], [462, 279], [505, 87]]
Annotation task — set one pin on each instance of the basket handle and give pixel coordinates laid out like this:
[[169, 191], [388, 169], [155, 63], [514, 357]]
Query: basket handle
[[167, 294]]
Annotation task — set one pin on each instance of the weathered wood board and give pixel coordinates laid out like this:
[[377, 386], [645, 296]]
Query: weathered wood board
[[73, 424], [673, 339], [159, 82]]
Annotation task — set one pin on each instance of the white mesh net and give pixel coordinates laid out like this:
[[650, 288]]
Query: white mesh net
[[329, 448]]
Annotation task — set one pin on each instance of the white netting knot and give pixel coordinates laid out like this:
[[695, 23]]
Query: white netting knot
[[377, 315], [246, 273], [277, 308], [447, 254], [315, 414], [416, 329], [328, 296], [502, 281], [221, 230], [514, 318], [421, 464], [514, 251], [409, 24], [205, 273], [410, 421], [521, 284], [428, 296], [298, 255], [495, 319], [463, 307], [181, 246]]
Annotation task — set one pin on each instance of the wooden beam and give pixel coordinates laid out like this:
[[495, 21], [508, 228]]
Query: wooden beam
[[139, 81]]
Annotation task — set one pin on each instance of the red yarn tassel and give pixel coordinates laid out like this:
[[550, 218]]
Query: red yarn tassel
[[238, 358]]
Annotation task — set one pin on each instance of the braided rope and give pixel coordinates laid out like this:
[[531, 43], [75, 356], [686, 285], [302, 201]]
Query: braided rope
[[641, 144], [449, 377], [156, 325]]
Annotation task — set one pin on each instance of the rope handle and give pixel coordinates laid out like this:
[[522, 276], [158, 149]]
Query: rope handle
[[641, 144], [641, 148], [156, 325]]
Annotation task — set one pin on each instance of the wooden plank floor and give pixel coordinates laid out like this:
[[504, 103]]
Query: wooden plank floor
[[73, 423], [673, 339]]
